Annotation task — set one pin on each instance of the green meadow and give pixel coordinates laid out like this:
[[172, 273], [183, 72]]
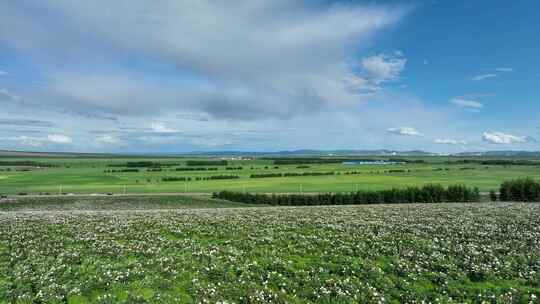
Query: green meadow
[[89, 175]]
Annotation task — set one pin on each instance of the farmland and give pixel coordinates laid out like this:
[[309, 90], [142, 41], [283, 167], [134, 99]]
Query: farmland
[[184, 250], [156, 244], [56, 175]]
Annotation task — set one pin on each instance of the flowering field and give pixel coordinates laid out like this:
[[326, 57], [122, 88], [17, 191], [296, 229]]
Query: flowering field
[[440, 253]]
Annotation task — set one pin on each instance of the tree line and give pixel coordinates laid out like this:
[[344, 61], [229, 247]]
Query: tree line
[[425, 194], [290, 174], [25, 163], [193, 163], [519, 190], [196, 169], [496, 162], [198, 178], [305, 160], [129, 170]]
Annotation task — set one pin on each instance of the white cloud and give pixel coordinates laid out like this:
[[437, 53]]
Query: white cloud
[[492, 75], [383, 68], [405, 131], [59, 139], [503, 138], [376, 70], [2, 73], [35, 141], [447, 141], [108, 140], [159, 127], [26, 141], [484, 76], [466, 103]]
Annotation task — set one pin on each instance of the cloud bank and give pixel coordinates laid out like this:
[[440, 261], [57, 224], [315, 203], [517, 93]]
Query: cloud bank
[[186, 75], [503, 138], [253, 59]]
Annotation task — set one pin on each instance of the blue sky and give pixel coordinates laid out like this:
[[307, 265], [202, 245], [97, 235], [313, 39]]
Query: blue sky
[[269, 75]]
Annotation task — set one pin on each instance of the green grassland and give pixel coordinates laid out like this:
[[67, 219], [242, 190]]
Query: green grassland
[[86, 175], [96, 203], [117, 250]]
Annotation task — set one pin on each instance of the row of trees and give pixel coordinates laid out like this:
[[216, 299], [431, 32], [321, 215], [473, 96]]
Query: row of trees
[[26, 163], [305, 160], [290, 174], [176, 179], [425, 194], [519, 190], [206, 163], [213, 177], [129, 170], [198, 178], [406, 161], [266, 175], [496, 162], [196, 169]]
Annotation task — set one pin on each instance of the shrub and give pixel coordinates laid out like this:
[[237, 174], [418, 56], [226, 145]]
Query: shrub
[[493, 196], [234, 168]]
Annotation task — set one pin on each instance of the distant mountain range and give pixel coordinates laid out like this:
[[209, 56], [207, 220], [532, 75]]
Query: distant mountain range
[[381, 152], [293, 153], [306, 152]]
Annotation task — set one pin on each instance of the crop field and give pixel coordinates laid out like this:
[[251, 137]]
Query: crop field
[[172, 175], [121, 251]]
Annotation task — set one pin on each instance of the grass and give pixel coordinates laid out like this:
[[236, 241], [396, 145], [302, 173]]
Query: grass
[[87, 176], [438, 253], [67, 203]]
